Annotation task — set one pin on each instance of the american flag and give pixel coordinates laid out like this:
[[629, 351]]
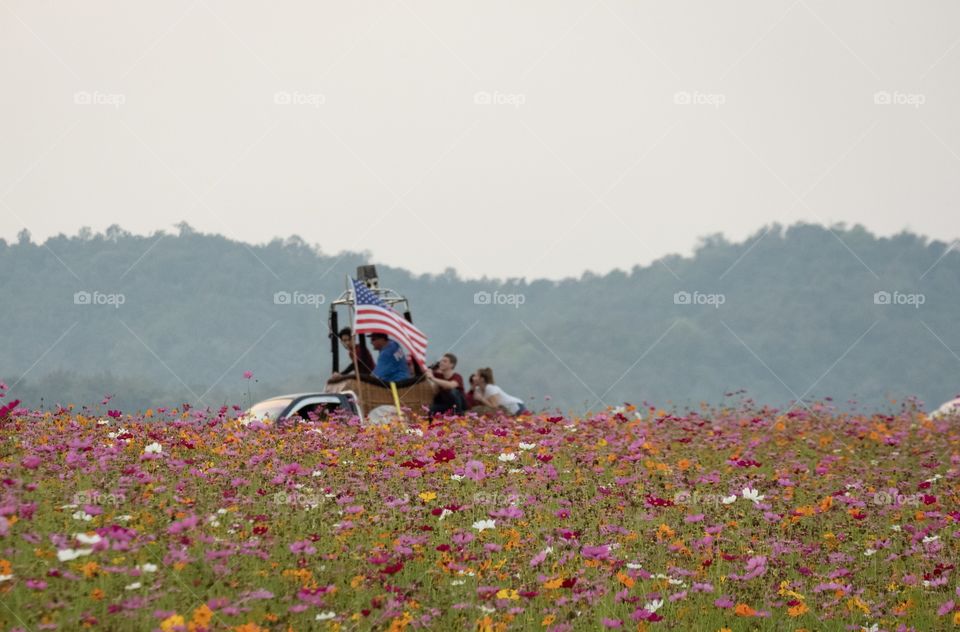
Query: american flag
[[372, 315]]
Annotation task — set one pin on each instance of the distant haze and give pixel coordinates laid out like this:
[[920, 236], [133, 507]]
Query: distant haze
[[536, 139]]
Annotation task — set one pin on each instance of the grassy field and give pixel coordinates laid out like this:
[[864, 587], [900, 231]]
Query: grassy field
[[732, 518]]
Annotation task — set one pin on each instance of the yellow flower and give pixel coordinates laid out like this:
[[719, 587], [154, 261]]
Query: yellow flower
[[505, 593], [427, 496], [171, 622], [548, 620]]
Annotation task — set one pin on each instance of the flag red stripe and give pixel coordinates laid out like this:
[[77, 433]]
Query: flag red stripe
[[395, 326], [392, 315], [374, 314]]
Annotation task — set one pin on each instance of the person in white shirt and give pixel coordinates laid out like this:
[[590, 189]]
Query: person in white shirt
[[486, 393]]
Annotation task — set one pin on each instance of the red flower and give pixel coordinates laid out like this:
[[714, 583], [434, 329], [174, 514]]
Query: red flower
[[392, 569], [444, 455], [414, 464]]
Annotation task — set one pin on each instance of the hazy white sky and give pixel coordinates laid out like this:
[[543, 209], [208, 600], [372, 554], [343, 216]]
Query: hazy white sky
[[536, 138]]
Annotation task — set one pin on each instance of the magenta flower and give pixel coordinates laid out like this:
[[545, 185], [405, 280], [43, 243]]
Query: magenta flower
[[302, 547], [475, 471], [183, 525], [601, 552]]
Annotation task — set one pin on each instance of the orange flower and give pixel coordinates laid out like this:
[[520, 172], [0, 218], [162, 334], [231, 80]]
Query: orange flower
[[201, 617], [625, 579], [797, 610], [743, 610]]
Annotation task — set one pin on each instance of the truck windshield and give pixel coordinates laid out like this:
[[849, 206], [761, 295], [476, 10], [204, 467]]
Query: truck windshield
[[269, 409]]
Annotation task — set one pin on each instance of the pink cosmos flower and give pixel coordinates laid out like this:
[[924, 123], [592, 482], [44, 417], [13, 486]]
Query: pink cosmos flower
[[475, 470]]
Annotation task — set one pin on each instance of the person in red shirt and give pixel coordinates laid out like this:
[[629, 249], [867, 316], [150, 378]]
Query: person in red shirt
[[447, 386]]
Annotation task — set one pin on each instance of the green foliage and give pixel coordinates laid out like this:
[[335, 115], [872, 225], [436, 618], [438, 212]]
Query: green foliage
[[199, 309]]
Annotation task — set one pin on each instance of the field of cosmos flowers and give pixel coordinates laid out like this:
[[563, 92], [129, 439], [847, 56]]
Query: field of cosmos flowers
[[734, 517]]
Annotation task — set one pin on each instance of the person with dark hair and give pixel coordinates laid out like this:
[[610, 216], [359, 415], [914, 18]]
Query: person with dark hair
[[391, 361], [448, 395], [489, 396], [363, 356]]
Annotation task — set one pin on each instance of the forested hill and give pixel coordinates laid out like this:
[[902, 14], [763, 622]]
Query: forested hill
[[803, 311]]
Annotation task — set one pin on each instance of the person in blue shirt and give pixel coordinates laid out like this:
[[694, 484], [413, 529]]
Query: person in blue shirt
[[391, 363]]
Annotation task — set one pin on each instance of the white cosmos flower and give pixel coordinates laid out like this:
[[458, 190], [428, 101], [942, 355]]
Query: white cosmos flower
[[751, 494], [82, 515], [869, 552], [125, 518], [456, 477], [83, 538], [480, 525], [930, 538], [507, 456], [443, 514], [458, 582], [487, 609], [323, 616], [65, 555], [633, 566], [148, 568], [5, 578], [153, 448], [654, 605], [527, 446], [726, 500], [895, 527], [133, 586]]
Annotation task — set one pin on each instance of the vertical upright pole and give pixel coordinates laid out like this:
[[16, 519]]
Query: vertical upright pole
[[353, 334]]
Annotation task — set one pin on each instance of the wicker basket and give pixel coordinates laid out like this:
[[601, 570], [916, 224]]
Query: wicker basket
[[413, 396]]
